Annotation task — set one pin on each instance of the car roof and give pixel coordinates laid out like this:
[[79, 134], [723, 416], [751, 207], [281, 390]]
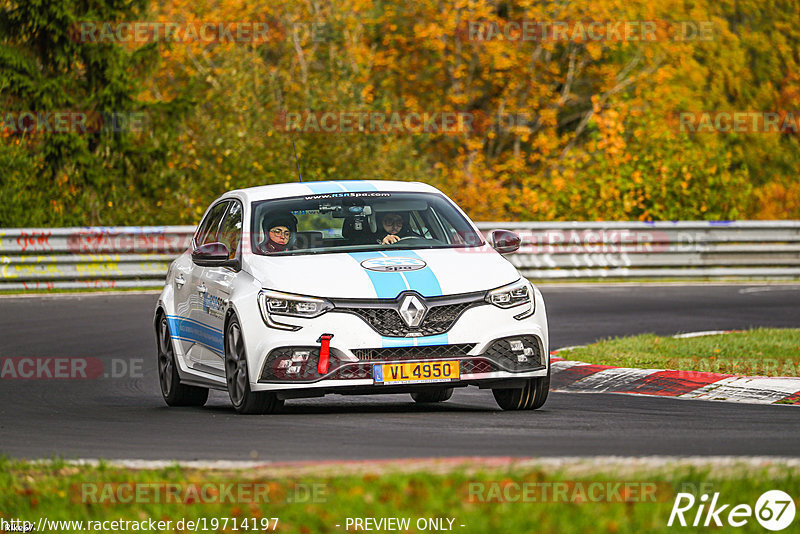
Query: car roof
[[297, 189]]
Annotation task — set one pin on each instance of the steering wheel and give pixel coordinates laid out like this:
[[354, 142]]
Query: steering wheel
[[407, 237]]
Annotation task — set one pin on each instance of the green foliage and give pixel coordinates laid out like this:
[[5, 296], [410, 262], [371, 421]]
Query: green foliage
[[107, 174]]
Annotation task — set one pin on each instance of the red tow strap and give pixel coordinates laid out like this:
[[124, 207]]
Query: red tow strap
[[324, 350]]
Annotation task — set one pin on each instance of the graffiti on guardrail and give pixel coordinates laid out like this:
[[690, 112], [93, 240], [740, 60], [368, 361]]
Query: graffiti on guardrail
[[34, 285], [33, 269], [34, 240], [98, 268], [38, 285]]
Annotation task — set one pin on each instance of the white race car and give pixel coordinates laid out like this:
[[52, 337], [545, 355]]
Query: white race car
[[351, 287]]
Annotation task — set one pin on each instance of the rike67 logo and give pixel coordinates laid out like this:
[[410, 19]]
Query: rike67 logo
[[774, 510]]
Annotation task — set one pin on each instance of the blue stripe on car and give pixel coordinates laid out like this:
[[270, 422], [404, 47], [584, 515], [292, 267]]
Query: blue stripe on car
[[387, 285], [345, 186], [355, 186], [397, 341], [440, 339], [388, 342], [322, 188], [424, 280], [188, 330], [186, 319]]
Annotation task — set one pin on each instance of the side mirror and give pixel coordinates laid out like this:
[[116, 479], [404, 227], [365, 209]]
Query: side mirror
[[212, 255], [505, 241]]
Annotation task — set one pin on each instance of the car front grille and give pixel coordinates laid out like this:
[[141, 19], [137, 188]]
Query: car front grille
[[383, 315], [476, 366], [414, 353]]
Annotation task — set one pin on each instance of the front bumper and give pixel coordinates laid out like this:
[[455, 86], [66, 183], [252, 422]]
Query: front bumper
[[480, 342], [299, 365]]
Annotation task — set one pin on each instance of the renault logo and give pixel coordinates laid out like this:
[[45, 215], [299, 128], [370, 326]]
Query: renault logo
[[412, 310]]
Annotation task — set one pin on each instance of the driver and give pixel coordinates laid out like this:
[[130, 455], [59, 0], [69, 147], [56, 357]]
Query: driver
[[393, 227], [279, 229]]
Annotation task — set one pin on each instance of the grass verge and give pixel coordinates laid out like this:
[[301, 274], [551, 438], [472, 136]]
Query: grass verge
[[757, 352], [514, 498]]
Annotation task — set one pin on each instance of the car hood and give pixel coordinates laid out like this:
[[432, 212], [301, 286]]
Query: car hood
[[341, 275]]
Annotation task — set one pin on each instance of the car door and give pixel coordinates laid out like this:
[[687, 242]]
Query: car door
[[205, 339], [182, 291], [217, 283], [185, 291]]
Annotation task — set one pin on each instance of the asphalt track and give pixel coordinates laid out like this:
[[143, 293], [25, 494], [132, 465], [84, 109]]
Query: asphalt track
[[121, 418]]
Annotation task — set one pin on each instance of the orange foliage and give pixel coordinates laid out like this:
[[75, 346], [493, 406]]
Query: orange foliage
[[576, 130]]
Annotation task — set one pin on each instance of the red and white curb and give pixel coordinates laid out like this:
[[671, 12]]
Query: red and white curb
[[579, 377]]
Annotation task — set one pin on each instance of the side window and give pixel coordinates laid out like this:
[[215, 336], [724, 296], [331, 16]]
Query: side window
[[230, 231], [418, 225], [207, 231], [451, 234]]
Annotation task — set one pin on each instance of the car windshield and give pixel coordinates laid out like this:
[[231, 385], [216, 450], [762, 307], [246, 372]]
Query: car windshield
[[346, 222]]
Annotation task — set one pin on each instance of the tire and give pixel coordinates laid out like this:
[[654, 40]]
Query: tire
[[174, 393], [236, 376], [530, 397], [432, 395]]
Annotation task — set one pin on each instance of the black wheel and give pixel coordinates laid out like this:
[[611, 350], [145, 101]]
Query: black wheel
[[529, 397], [432, 395], [175, 393], [244, 400]]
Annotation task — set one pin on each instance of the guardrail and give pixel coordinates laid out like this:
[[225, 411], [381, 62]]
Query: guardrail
[[681, 249], [91, 257], [124, 257]]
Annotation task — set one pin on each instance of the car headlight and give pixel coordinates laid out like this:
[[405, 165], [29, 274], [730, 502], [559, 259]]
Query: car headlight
[[519, 293], [275, 303]]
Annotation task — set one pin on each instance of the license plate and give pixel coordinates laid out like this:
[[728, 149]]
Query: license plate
[[415, 372]]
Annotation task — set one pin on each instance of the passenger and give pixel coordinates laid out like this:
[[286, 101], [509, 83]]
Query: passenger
[[392, 227], [279, 230], [353, 236]]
